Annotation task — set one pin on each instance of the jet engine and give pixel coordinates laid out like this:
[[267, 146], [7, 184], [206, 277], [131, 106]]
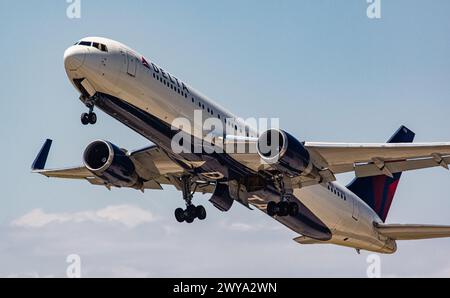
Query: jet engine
[[284, 153], [111, 164]]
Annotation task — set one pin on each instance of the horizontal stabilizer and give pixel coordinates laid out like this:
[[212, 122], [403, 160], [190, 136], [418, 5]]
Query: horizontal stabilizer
[[413, 232], [307, 240]]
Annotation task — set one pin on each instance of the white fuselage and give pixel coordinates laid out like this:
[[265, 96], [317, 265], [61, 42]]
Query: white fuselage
[[121, 72]]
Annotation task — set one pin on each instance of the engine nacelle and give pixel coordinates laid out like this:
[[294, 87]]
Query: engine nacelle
[[284, 153], [110, 163]]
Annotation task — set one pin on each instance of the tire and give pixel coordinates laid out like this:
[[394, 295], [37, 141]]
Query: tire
[[283, 209], [293, 209], [92, 118], [191, 211], [85, 119], [179, 215], [200, 211], [190, 220], [272, 208]]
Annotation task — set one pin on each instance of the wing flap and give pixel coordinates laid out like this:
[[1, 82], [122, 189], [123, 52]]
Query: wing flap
[[413, 232], [152, 162], [369, 170]]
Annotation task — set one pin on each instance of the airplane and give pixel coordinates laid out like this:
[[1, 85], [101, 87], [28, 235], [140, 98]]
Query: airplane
[[294, 182]]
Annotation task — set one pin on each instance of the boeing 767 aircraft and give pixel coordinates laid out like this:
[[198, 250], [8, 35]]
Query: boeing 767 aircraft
[[295, 183]]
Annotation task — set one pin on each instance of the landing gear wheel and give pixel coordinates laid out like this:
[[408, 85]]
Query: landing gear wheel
[[179, 215], [85, 119], [200, 212], [191, 212], [283, 209], [92, 118], [272, 208], [293, 209]]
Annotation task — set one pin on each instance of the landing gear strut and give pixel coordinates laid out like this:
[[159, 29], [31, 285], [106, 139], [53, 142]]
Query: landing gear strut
[[285, 207], [191, 212], [91, 117]]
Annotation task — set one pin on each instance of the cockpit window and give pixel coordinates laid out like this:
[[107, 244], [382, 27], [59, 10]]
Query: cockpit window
[[96, 45], [85, 43]]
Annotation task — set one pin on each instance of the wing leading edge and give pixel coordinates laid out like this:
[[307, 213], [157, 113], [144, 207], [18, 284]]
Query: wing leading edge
[[367, 159], [152, 165]]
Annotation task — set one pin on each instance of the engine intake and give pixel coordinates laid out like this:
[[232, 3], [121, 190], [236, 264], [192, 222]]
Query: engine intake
[[111, 164], [284, 153]]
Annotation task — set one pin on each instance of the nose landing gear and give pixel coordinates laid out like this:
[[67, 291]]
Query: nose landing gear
[[88, 118], [91, 117], [191, 212]]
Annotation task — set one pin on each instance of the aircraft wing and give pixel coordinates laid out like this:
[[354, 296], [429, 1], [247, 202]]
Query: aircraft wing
[[413, 232], [379, 159], [152, 165]]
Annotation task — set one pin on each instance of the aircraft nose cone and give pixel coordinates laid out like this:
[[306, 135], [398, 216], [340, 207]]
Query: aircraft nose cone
[[74, 57]]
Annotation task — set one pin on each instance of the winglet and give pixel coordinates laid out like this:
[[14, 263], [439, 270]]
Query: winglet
[[41, 158]]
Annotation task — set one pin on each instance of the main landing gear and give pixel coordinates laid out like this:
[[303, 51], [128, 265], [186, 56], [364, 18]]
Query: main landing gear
[[285, 207], [91, 117], [191, 212]]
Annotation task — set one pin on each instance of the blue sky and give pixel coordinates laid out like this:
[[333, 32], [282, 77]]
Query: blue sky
[[323, 67]]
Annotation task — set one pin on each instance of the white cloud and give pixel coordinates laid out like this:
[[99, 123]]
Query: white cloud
[[243, 227], [221, 246], [127, 215], [249, 227]]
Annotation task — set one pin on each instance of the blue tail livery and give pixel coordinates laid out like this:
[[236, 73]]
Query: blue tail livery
[[379, 191]]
